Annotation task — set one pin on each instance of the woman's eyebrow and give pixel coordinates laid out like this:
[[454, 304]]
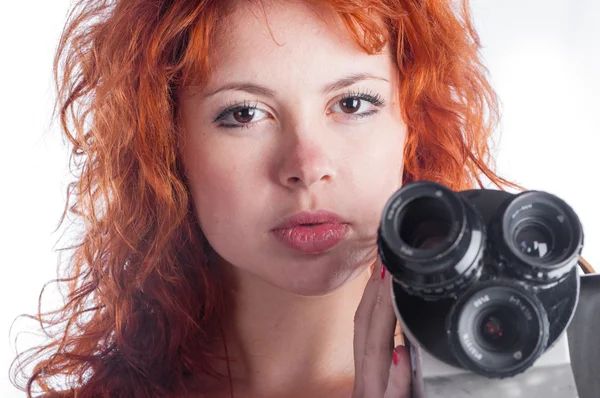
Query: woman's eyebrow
[[257, 89], [348, 81]]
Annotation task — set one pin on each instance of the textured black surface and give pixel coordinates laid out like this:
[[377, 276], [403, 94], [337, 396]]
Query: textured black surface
[[584, 338]]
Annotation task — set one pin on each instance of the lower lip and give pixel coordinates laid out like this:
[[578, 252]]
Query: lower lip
[[312, 239]]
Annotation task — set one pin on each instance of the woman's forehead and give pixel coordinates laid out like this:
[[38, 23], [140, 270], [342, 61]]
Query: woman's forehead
[[289, 40], [278, 24]]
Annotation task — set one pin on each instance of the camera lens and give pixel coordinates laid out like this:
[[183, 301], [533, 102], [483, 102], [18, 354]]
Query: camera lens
[[426, 223], [497, 329], [431, 240], [534, 239], [541, 235]]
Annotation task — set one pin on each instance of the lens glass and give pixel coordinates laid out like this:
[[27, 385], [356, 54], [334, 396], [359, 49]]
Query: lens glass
[[543, 236], [534, 239], [498, 329], [426, 223]]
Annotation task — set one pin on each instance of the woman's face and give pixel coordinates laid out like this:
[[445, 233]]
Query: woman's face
[[303, 120]]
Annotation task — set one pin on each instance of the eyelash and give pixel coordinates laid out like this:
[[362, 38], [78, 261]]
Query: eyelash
[[368, 96]]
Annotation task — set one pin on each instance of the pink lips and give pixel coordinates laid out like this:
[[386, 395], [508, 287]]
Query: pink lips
[[312, 232]]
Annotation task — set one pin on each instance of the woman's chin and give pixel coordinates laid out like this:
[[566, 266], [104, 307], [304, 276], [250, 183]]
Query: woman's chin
[[318, 275], [321, 281]]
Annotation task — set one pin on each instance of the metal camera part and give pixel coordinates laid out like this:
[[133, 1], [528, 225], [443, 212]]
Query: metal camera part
[[485, 282], [497, 329], [568, 369], [550, 377], [431, 240], [541, 237]]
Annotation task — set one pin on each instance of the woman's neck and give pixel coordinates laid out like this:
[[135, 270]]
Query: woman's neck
[[286, 344]]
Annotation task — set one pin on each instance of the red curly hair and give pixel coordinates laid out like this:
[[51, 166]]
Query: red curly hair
[[144, 303]]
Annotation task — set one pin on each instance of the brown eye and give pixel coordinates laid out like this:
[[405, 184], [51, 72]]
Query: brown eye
[[244, 115], [350, 105]]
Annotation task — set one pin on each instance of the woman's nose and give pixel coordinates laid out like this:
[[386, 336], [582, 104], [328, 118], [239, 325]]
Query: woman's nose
[[306, 160]]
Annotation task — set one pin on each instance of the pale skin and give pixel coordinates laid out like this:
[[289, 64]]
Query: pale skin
[[302, 325]]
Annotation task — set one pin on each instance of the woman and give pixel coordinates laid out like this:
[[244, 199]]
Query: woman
[[233, 174]]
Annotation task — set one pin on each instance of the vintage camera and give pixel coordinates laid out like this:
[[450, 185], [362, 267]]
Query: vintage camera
[[485, 283]]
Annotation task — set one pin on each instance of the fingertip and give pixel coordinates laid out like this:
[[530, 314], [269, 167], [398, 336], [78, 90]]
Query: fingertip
[[377, 264], [399, 382], [401, 355]]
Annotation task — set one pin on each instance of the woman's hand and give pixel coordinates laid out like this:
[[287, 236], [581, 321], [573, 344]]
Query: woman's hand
[[381, 370]]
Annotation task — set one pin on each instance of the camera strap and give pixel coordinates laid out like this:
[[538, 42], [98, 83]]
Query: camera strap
[[585, 266]]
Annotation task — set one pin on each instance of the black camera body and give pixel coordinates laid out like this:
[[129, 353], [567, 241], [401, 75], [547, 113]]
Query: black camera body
[[485, 284]]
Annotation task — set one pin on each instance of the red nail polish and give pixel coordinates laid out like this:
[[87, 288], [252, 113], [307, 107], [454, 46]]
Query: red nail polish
[[382, 272], [395, 357]]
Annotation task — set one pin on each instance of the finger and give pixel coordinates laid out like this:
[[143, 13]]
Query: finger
[[362, 319], [399, 382], [380, 342]]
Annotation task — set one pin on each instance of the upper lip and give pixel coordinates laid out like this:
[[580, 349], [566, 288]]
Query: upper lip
[[311, 217]]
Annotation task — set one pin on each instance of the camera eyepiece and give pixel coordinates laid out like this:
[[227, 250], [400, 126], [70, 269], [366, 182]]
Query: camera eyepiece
[[497, 329], [542, 236], [430, 240]]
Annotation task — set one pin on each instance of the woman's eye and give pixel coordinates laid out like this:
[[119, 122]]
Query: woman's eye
[[351, 105], [246, 115], [358, 105], [241, 116]]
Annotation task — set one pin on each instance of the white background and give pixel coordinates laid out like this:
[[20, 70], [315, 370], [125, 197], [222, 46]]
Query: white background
[[544, 60]]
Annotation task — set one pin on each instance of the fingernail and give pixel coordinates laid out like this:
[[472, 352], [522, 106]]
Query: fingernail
[[395, 357], [382, 272]]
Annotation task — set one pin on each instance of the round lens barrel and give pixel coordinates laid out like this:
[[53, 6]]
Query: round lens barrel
[[431, 240], [497, 329], [541, 235]]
